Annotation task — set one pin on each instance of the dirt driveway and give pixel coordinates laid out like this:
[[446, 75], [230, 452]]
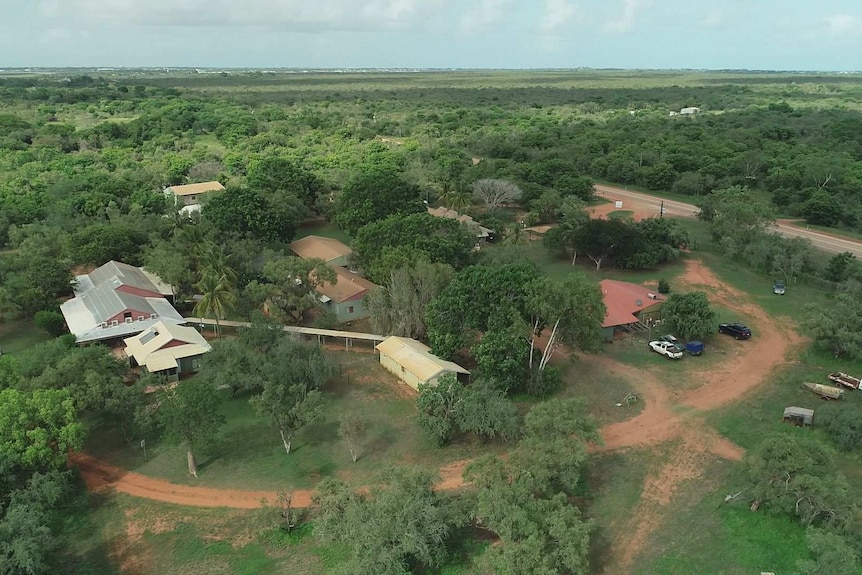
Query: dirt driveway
[[661, 421]]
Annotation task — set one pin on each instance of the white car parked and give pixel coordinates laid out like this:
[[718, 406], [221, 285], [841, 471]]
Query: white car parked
[[666, 349]]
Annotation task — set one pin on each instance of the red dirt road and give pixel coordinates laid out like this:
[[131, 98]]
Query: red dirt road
[[749, 368], [101, 476], [660, 422]]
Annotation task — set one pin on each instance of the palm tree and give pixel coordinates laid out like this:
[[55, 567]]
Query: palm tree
[[215, 261], [218, 295], [458, 199], [515, 235]]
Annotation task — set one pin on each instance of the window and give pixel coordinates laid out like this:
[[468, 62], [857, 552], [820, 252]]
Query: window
[[154, 315], [129, 320], [350, 309], [114, 322], [148, 335]]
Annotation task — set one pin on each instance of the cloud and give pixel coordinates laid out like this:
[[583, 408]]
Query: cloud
[[842, 25], [558, 13], [300, 15], [715, 18], [627, 19], [483, 16]]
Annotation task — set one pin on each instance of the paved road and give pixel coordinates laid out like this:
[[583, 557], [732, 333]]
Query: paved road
[[831, 243]]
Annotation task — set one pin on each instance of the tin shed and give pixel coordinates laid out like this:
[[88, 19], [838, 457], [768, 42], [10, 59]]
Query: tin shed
[[413, 362], [799, 416]]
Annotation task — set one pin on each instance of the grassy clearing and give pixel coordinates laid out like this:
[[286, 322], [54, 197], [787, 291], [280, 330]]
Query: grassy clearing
[[118, 533], [614, 483], [705, 535], [211, 141], [759, 288], [759, 415], [602, 390], [621, 215], [248, 453], [676, 374], [560, 268], [20, 335], [324, 229]]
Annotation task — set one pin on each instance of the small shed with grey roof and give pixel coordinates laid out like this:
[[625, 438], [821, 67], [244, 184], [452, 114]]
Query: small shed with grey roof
[[413, 362], [799, 416]]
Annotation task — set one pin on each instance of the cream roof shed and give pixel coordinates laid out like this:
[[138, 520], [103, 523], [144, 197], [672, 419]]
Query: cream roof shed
[[199, 188], [416, 357], [161, 346]]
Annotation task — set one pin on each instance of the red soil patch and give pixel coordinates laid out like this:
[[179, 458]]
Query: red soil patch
[[639, 212]]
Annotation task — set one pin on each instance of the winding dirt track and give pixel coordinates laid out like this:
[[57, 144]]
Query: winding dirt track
[[749, 368], [661, 421]]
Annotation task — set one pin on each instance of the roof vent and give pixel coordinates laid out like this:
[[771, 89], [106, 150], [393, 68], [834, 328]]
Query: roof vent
[[639, 303], [651, 295]]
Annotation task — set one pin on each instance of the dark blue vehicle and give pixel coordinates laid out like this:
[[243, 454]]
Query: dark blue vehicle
[[694, 347]]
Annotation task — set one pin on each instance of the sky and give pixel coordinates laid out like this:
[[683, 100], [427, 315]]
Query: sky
[[657, 34]]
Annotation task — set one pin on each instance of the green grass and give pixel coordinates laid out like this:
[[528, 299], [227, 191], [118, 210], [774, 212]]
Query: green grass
[[679, 374], [248, 454], [125, 534], [324, 229], [759, 288], [118, 533], [726, 540], [17, 336], [602, 390], [758, 415], [614, 484], [561, 267], [699, 533], [620, 215]]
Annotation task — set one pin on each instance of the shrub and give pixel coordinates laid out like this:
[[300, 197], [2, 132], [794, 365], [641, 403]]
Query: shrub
[[663, 286], [51, 322]]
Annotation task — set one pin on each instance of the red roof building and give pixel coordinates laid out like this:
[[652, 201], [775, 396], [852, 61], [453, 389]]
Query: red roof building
[[628, 303]]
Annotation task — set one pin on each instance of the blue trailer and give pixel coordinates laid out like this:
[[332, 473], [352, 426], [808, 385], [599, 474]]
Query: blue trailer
[[694, 347]]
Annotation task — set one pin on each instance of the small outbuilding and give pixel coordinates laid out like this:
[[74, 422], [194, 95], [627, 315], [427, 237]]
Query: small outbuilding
[[799, 416], [330, 250], [413, 362], [191, 194], [168, 350]]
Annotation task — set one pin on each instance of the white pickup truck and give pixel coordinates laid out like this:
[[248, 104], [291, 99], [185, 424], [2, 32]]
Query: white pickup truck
[[666, 349]]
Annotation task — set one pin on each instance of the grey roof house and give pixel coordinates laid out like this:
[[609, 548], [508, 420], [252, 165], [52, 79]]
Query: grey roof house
[[116, 301]]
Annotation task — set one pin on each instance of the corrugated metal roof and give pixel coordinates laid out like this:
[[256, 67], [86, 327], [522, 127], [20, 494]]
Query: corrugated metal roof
[[416, 357], [161, 362], [119, 274], [326, 249], [348, 286], [200, 188], [97, 300], [121, 330], [146, 347], [443, 212], [621, 300]]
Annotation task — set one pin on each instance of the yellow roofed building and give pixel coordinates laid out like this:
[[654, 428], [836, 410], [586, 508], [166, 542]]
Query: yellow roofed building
[[167, 349], [413, 362]]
